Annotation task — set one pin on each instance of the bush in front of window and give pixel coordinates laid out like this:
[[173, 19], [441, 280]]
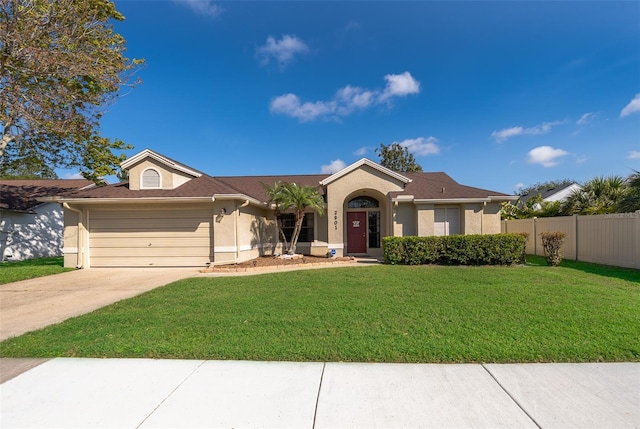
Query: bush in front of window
[[494, 249]]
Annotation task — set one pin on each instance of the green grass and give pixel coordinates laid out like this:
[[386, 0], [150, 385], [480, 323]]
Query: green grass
[[573, 313], [30, 268]]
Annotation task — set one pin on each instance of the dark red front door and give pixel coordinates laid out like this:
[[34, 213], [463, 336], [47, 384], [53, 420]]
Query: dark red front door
[[356, 232]]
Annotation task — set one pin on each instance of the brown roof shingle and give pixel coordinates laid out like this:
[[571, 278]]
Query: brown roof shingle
[[21, 195]]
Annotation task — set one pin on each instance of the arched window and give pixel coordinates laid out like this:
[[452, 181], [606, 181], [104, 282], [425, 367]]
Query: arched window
[[150, 179], [363, 203]]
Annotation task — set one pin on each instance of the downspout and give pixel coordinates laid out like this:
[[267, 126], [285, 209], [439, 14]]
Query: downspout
[[80, 249]]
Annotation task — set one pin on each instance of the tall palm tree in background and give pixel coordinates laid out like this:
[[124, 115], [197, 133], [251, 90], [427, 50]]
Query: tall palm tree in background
[[631, 201], [599, 195], [291, 196]]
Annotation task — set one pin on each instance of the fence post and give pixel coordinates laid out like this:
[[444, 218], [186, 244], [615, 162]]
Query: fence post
[[637, 235], [535, 236], [575, 232]]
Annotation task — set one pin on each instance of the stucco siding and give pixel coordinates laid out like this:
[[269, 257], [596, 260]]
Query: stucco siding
[[491, 219], [405, 220], [426, 219], [166, 176], [471, 218], [364, 181]]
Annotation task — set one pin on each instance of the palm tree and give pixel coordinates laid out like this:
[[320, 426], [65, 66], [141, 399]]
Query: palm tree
[[276, 194], [291, 196], [599, 195], [631, 200]]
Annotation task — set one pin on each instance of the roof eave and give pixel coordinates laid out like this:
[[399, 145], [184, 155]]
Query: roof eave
[[364, 161]]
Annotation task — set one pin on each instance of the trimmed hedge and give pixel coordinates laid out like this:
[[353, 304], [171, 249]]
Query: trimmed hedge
[[494, 249]]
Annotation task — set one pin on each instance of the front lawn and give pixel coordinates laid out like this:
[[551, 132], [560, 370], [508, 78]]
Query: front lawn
[[574, 313], [30, 268]]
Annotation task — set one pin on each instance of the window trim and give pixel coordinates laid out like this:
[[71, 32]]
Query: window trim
[[150, 187]]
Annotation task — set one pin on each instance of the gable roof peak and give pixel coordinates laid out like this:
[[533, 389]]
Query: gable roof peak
[[148, 153], [362, 162]]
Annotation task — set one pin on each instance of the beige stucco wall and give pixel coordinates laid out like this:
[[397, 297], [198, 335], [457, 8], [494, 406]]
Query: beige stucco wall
[[364, 181], [491, 219], [253, 226], [169, 179], [471, 218], [426, 219], [404, 222]]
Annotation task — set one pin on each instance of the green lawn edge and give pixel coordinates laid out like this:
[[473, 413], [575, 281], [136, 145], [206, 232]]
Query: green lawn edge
[[577, 312], [14, 271]]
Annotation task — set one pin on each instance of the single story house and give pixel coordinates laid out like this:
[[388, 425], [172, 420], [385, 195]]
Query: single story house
[[30, 228], [557, 193], [170, 214]]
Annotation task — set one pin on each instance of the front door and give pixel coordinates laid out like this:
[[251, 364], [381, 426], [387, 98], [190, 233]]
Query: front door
[[356, 232]]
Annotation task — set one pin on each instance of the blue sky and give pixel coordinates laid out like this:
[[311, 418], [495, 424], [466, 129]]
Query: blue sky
[[496, 94]]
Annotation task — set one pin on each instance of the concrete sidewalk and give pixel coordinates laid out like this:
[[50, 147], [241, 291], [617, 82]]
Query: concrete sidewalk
[[132, 393]]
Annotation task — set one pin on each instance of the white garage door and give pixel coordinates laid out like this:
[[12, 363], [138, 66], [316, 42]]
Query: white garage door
[[447, 221], [150, 238]]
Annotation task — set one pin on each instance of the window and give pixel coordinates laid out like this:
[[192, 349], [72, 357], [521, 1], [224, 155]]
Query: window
[[288, 222], [447, 221], [363, 203], [374, 230], [150, 179]]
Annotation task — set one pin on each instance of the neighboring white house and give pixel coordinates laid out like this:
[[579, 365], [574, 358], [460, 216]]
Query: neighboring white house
[[28, 228], [558, 193]]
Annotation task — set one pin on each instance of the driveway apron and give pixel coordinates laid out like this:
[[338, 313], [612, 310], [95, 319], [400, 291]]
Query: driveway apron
[[33, 304]]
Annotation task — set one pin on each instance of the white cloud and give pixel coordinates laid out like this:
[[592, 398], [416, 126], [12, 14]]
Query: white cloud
[[518, 186], [400, 85], [632, 107], [421, 146], [506, 133], [362, 151], [289, 104], [351, 98], [546, 156], [586, 118], [634, 154], [203, 7], [282, 50], [71, 175], [333, 167], [346, 100], [582, 159]]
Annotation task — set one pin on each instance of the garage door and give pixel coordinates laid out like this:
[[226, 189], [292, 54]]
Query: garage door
[[150, 238]]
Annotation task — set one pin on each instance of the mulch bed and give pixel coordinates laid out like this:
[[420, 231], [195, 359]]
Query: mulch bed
[[265, 263]]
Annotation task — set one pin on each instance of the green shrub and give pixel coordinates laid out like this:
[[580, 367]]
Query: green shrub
[[552, 244], [495, 249]]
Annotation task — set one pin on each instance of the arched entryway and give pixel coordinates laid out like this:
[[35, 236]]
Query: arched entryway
[[363, 225]]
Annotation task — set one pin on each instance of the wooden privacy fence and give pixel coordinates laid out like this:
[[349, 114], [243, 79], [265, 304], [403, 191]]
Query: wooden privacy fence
[[611, 239]]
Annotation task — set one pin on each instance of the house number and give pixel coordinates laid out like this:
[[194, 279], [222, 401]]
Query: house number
[[335, 220], [356, 224]]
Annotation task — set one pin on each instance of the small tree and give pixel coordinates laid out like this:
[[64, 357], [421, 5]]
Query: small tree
[[552, 244], [397, 158], [291, 196]]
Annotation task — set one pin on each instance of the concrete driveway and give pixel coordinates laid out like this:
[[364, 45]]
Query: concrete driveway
[[33, 304]]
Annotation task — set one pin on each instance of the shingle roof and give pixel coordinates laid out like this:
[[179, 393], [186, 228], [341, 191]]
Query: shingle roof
[[20, 195], [544, 193], [422, 186], [203, 186]]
